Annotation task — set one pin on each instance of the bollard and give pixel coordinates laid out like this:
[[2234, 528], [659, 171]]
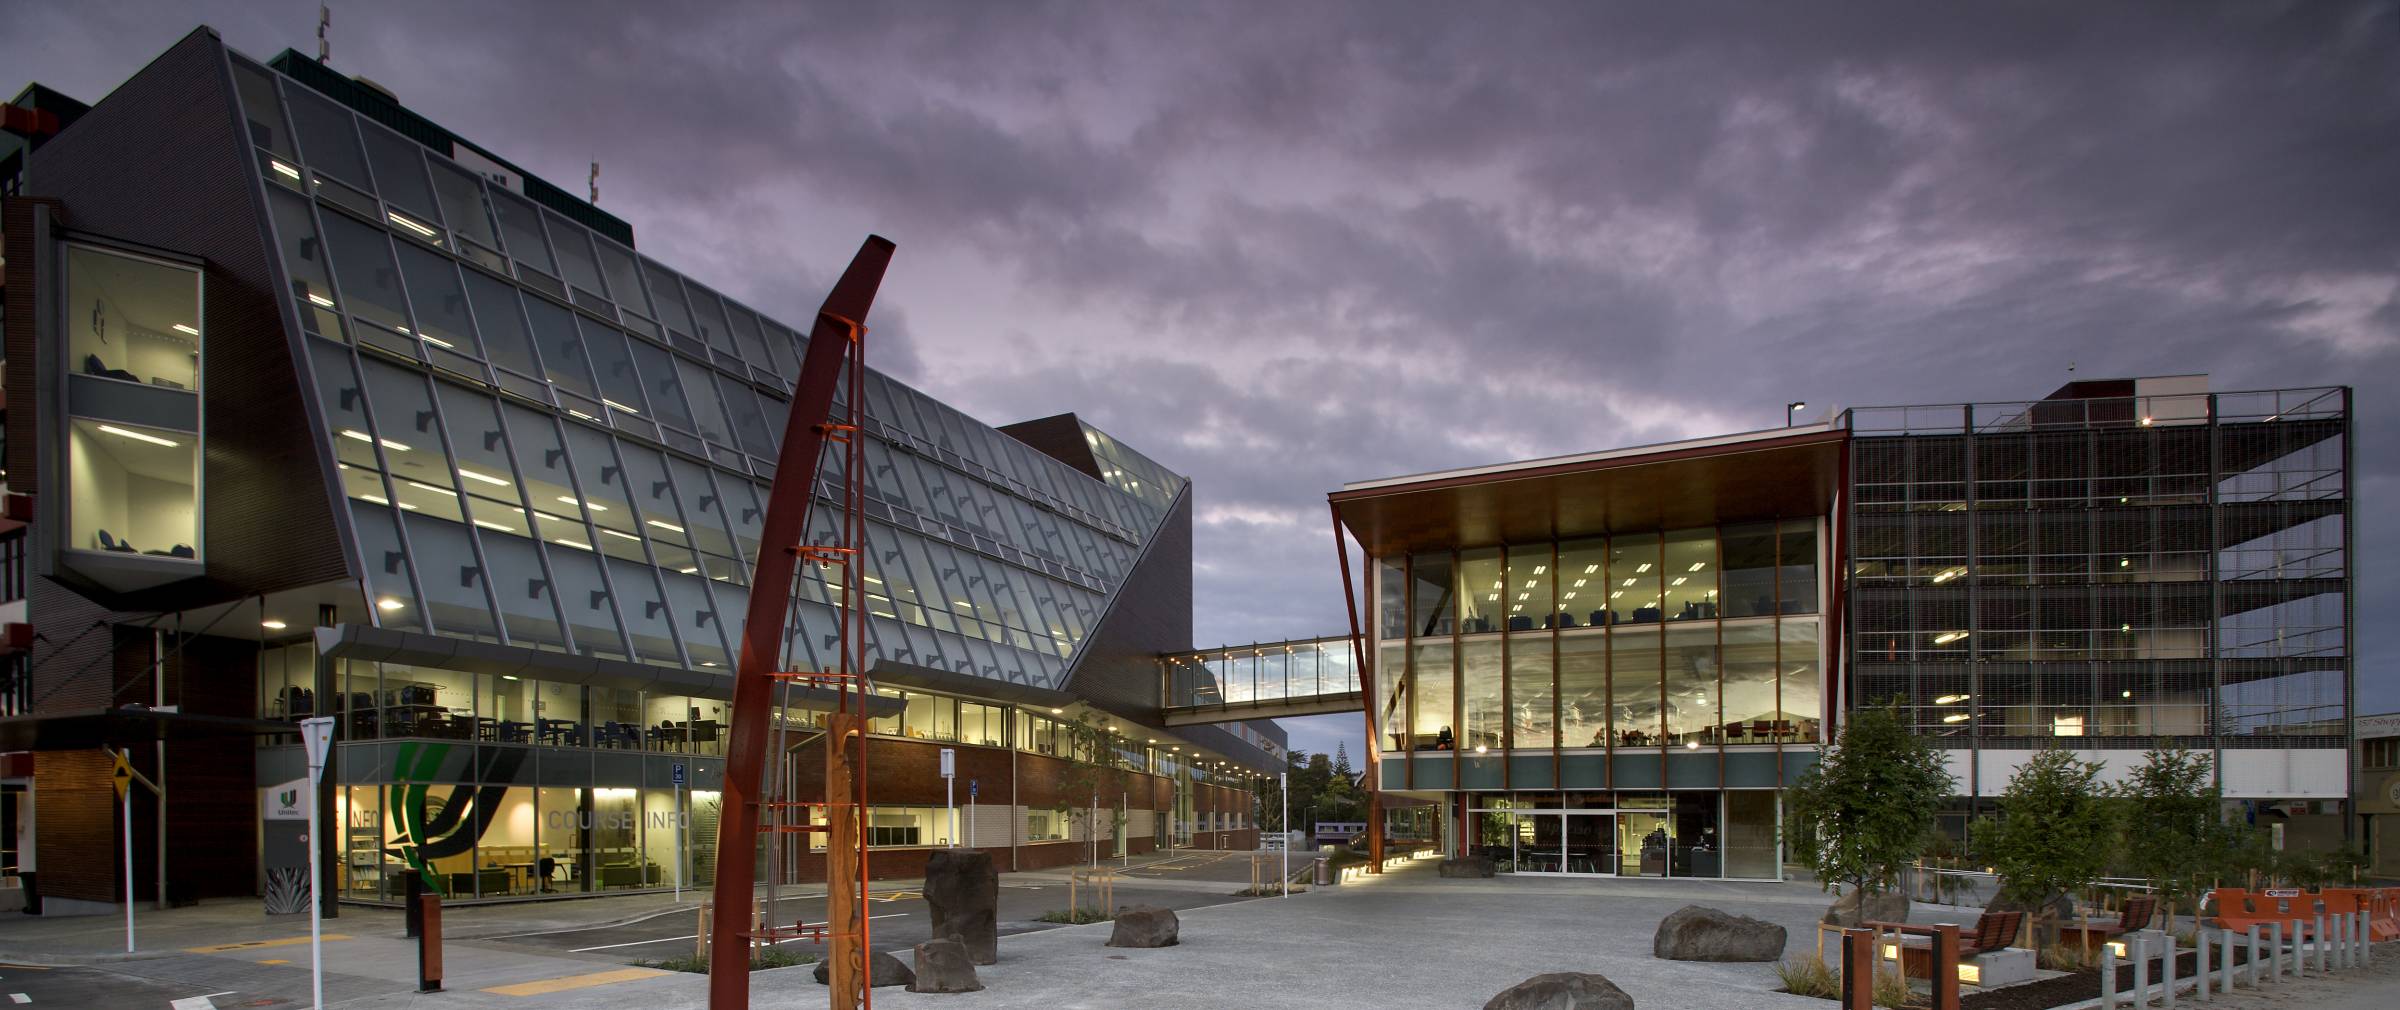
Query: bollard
[[2275, 952], [2108, 977], [414, 904], [2319, 944], [1858, 969], [2250, 967], [1945, 967], [2225, 961], [429, 945], [2200, 977], [2166, 972], [2366, 939], [2340, 939], [2138, 948]]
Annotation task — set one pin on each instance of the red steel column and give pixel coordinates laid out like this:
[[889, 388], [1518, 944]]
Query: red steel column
[[786, 523]]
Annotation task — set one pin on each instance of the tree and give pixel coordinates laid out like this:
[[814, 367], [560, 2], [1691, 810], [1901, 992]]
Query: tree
[[1861, 813], [2173, 817], [1093, 768], [2052, 837]]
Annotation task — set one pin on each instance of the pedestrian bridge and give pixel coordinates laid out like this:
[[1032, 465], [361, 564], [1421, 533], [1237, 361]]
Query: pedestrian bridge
[[1276, 680]]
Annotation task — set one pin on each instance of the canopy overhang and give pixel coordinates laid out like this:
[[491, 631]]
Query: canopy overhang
[[1775, 474]]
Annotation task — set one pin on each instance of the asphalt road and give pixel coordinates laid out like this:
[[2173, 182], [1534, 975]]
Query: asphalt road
[[900, 918], [97, 988]]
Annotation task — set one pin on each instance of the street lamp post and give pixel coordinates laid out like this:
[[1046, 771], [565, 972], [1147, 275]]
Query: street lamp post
[[1789, 408], [317, 735]]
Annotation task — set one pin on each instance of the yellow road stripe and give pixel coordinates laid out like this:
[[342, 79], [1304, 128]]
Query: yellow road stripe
[[254, 944], [551, 985], [274, 960]]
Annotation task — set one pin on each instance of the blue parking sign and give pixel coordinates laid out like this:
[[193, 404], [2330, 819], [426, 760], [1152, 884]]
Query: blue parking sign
[[678, 774]]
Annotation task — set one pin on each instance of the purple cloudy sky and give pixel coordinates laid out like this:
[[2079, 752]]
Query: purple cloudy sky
[[1282, 246]]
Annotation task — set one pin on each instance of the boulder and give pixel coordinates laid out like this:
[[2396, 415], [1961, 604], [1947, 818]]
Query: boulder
[[1694, 933], [882, 970], [1563, 990], [1144, 926], [1887, 906], [943, 966], [963, 892], [1468, 866]]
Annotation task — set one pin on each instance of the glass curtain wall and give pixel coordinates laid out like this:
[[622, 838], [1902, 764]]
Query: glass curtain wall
[[1686, 639]]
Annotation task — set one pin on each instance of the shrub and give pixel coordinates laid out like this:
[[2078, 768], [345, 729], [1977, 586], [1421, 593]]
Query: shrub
[[2064, 957], [1075, 916], [1808, 976], [1891, 989]]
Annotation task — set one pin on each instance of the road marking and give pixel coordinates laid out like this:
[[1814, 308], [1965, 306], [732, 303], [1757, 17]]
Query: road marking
[[636, 943], [888, 915], [671, 939], [22, 998], [275, 960], [687, 910], [255, 944], [200, 1002], [566, 983]]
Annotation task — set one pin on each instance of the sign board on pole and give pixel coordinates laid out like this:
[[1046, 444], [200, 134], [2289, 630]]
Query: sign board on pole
[[949, 762], [973, 786], [317, 734], [122, 776], [679, 774]]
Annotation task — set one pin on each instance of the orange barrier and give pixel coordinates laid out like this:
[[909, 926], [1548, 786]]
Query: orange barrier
[[2382, 905], [2238, 909]]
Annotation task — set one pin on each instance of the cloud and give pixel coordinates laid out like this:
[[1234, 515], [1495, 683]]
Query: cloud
[[1279, 248]]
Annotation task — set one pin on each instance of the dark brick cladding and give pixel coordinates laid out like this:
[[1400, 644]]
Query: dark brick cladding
[[160, 163]]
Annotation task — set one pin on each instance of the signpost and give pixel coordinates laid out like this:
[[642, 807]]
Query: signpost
[[122, 778], [950, 790], [317, 735], [973, 787], [679, 853], [1282, 788]]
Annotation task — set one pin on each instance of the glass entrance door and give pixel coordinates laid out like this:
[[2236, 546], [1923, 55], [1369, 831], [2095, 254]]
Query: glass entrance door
[[1591, 842], [1547, 841]]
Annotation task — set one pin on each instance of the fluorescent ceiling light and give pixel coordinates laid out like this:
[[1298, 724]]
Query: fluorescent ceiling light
[[1579, 583], [1589, 569], [1539, 569], [181, 328], [1950, 699], [594, 506], [618, 406], [1948, 637], [1679, 580], [410, 225], [1529, 583], [581, 414], [1947, 574], [495, 526], [484, 477], [1628, 583], [1616, 594], [1523, 595], [271, 624], [139, 436], [387, 603], [429, 487], [320, 299], [282, 168], [364, 437], [438, 342], [689, 569], [1640, 568], [1570, 596], [1955, 717], [1698, 565], [1492, 597], [577, 544], [667, 526], [615, 533]]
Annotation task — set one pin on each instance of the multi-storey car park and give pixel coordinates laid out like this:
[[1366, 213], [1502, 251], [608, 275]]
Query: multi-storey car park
[[324, 410]]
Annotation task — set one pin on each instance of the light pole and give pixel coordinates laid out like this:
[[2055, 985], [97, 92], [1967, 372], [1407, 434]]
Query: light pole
[[317, 735], [1789, 408]]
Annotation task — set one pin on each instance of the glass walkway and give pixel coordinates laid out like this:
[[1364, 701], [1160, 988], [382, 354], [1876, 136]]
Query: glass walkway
[[1272, 680]]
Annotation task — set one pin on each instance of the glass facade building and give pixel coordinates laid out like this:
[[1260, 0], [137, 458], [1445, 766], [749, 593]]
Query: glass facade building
[[1584, 685], [382, 427]]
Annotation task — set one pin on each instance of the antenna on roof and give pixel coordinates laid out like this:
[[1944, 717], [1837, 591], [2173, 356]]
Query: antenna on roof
[[324, 22], [595, 184]]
